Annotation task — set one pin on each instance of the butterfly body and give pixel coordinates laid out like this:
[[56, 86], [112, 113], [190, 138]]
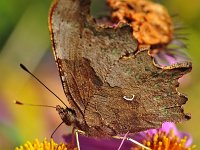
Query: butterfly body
[[99, 67]]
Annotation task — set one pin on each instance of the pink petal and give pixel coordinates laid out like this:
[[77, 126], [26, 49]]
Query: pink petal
[[167, 126], [170, 57]]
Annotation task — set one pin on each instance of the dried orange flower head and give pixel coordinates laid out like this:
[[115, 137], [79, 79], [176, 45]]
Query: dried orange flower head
[[151, 22]]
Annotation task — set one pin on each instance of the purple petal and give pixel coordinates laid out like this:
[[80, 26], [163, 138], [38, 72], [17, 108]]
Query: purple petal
[[178, 44], [139, 136], [122, 142], [170, 57], [152, 131], [89, 143], [189, 138], [167, 126]]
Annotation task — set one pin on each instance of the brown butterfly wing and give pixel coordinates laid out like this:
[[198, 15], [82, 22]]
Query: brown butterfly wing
[[96, 75], [155, 101], [73, 44], [65, 25]]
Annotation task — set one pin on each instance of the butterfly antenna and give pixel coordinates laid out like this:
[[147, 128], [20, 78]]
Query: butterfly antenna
[[25, 69], [20, 103]]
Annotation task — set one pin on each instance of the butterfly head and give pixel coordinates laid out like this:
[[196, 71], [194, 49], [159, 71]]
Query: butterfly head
[[67, 115]]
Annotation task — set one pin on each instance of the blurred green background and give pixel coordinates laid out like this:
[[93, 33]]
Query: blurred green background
[[24, 38]]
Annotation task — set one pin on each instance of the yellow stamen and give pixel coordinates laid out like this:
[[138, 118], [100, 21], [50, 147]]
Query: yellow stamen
[[45, 145], [163, 141]]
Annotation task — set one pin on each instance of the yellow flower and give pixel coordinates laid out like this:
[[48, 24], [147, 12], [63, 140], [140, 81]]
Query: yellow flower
[[45, 145]]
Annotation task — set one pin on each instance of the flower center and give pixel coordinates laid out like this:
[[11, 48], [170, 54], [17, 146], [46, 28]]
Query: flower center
[[45, 145], [163, 141]]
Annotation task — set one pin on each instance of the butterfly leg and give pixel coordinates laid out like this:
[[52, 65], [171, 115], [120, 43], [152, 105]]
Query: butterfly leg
[[124, 138], [76, 132], [131, 140]]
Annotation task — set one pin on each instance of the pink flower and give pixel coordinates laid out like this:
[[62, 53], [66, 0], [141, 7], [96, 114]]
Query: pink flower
[[165, 138], [89, 143]]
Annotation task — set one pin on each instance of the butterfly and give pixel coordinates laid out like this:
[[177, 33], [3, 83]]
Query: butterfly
[[112, 87]]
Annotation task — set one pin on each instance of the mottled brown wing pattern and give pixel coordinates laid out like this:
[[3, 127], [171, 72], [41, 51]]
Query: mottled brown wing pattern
[[73, 44], [99, 68], [65, 35], [156, 99]]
